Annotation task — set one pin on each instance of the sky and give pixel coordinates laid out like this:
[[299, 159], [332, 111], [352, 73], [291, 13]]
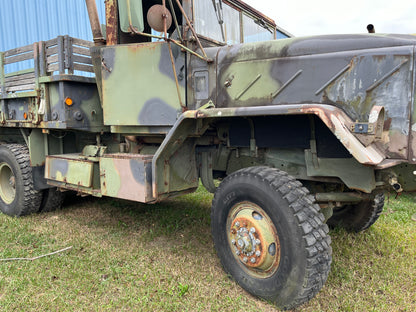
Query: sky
[[318, 17]]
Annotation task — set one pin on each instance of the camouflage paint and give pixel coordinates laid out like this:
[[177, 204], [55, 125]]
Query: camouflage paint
[[139, 98], [69, 169], [335, 119], [412, 145], [85, 113], [127, 177], [354, 78], [138, 85]]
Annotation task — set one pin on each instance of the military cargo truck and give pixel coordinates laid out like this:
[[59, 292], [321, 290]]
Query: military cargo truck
[[302, 133]]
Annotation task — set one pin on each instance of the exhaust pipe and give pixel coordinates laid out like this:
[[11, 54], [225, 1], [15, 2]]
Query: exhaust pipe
[[371, 29], [95, 22]]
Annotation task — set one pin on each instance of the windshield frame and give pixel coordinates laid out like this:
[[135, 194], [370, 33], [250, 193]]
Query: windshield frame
[[244, 11]]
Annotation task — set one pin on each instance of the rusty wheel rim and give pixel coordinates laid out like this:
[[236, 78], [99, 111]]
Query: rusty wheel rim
[[253, 239], [7, 184]]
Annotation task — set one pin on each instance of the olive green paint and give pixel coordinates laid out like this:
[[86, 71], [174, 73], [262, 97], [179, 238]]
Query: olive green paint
[[349, 170], [70, 169], [132, 81], [37, 148], [250, 81], [130, 13], [110, 179]]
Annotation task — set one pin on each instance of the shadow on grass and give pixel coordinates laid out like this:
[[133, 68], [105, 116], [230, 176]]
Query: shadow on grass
[[184, 214]]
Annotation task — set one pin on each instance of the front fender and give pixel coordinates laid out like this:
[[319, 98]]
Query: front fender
[[334, 118], [193, 124]]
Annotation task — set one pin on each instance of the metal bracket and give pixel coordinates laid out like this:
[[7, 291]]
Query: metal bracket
[[205, 169], [362, 127]]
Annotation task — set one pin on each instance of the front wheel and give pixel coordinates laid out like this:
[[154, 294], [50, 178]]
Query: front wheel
[[270, 236], [358, 217]]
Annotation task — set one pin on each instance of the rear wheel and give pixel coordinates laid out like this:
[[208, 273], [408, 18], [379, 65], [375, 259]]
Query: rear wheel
[[270, 236], [358, 217], [17, 194], [52, 200]]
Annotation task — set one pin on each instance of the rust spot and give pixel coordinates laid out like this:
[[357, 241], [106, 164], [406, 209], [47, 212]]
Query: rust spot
[[146, 46], [111, 21], [387, 124]]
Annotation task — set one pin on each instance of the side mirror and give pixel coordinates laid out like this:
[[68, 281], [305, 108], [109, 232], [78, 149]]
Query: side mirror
[[155, 16]]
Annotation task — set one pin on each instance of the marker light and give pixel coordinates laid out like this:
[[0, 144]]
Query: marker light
[[68, 101]]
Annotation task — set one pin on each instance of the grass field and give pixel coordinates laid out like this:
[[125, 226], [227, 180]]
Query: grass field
[[132, 257]]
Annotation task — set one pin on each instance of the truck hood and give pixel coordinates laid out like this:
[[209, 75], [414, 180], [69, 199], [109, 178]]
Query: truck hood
[[311, 45]]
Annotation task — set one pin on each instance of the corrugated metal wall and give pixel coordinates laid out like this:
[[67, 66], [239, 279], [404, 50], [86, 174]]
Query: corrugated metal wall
[[26, 21], [23, 22]]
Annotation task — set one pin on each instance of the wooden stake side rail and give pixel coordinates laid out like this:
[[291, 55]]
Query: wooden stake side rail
[[62, 55]]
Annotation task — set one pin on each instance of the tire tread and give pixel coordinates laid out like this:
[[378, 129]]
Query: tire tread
[[31, 197], [358, 217], [310, 220]]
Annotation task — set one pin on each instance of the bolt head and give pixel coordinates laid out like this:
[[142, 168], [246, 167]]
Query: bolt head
[[233, 241], [253, 260], [237, 252], [253, 230], [258, 242], [245, 259], [240, 243], [237, 224], [258, 253]]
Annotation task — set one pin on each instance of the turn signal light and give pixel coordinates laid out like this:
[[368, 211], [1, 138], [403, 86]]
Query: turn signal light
[[68, 101]]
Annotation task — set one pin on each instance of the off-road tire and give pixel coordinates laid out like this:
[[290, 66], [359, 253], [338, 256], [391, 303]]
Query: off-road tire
[[305, 251], [358, 217], [14, 159], [52, 200]]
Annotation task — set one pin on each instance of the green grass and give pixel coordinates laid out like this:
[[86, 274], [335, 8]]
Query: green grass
[[132, 257]]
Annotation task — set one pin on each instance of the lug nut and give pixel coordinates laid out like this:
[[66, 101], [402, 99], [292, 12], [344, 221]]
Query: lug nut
[[245, 259], [237, 252], [237, 224], [258, 242], [253, 230], [253, 260], [258, 253], [233, 241]]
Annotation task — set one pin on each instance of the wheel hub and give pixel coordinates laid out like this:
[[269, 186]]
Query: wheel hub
[[7, 183], [254, 239]]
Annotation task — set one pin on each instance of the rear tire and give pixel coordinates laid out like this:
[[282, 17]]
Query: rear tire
[[52, 200], [358, 217], [270, 236], [17, 194]]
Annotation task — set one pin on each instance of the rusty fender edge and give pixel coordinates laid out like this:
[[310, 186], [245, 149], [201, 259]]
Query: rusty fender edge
[[334, 118]]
